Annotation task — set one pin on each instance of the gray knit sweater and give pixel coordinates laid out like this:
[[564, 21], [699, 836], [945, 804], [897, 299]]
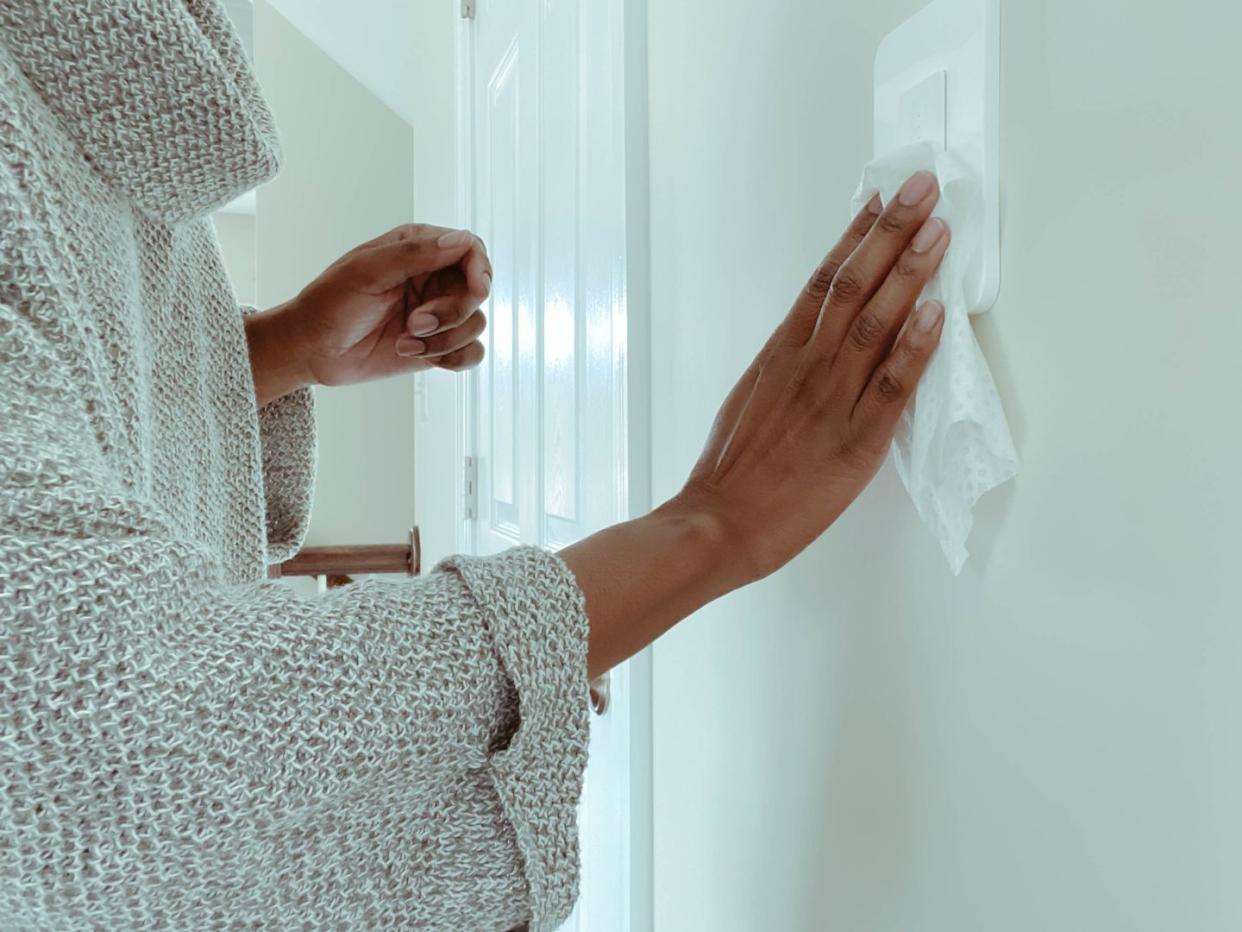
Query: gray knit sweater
[[184, 744]]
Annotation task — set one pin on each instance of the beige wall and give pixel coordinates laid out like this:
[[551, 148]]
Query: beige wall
[[1053, 740], [347, 177]]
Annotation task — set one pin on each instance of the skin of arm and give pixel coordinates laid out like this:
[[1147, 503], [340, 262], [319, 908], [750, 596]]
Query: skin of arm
[[795, 442]]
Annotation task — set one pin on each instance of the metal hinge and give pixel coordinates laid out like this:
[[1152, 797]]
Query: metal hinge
[[467, 9], [470, 488]]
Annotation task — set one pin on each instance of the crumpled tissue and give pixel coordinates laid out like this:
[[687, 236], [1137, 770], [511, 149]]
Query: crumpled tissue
[[953, 442]]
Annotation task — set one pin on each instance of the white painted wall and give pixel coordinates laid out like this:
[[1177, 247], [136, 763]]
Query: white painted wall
[[1054, 740], [371, 39], [236, 235], [347, 177]]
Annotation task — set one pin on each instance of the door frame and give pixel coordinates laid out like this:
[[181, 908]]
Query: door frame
[[637, 403]]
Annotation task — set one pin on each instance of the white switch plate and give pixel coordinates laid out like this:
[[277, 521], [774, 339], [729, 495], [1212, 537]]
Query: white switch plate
[[937, 78]]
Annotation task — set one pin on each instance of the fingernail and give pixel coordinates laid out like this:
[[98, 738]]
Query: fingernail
[[916, 190], [928, 316], [455, 238], [408, 346], [929, 236], [421, 324]]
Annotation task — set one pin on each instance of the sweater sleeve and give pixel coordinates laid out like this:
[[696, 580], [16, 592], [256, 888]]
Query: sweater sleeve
[[288, 439], [180, 751], [287, 435]]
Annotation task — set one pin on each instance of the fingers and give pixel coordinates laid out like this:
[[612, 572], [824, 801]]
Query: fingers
[[402, 232], [387, 265], [478, 269], [444, 311], [894, 380], [465, 358], [871, 334], [800, 322], [861, 275], [446, 343]]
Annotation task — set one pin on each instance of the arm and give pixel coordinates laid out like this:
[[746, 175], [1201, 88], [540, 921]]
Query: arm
[[797, 440], [276, 371]]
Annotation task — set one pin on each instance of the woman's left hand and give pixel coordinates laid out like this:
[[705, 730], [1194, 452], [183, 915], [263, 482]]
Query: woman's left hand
[[405, 301]]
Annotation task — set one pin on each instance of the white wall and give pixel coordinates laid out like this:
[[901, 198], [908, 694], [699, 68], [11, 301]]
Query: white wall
[[371, 39], [236, 235], [1054, 740], [347, 177]]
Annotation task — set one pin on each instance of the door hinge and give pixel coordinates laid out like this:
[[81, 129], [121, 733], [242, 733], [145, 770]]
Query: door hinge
[[467, 9], [470, 488]]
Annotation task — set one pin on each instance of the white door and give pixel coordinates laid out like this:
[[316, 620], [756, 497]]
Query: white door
[[547, 419]]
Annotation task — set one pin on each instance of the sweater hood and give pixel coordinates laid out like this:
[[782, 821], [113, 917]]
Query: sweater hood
[[158, 94]]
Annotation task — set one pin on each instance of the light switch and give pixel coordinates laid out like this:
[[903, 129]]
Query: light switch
[[922, 110], [937, 79]]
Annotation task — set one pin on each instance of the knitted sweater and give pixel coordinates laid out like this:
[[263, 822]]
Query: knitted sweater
[[185, 744]]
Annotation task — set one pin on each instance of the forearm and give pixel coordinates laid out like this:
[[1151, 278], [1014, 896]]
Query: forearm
[[642, 577], [277, 371]]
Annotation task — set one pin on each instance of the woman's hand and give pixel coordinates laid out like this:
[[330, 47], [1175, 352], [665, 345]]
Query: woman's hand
[[811, 421], [796, 441], [405, 301]]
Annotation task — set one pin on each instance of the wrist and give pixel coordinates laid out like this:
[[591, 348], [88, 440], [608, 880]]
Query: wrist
[[712, 539], [277, 358]]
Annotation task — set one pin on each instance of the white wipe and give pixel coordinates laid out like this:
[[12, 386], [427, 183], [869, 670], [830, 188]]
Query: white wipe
[[952, 444]]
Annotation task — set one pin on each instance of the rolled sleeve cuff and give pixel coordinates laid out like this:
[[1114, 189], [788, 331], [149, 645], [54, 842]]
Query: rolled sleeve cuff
[[536, 615], [287, 435]]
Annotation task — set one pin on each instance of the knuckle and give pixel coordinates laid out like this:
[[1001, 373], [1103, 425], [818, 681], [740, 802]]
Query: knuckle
[[863, 223], [889, 385], [908, 267], [891, 223], [866, 330], [846, 286], [860, 452], [820, 281]]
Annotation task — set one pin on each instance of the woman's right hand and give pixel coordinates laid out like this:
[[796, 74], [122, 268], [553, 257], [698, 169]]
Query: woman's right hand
[[796, 441], [809, 424]]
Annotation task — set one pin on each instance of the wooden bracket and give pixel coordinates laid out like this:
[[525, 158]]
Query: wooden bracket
[[337, 563]]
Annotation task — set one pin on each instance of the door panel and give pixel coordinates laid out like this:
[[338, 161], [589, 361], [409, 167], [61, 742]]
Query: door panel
[[505, 194]]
